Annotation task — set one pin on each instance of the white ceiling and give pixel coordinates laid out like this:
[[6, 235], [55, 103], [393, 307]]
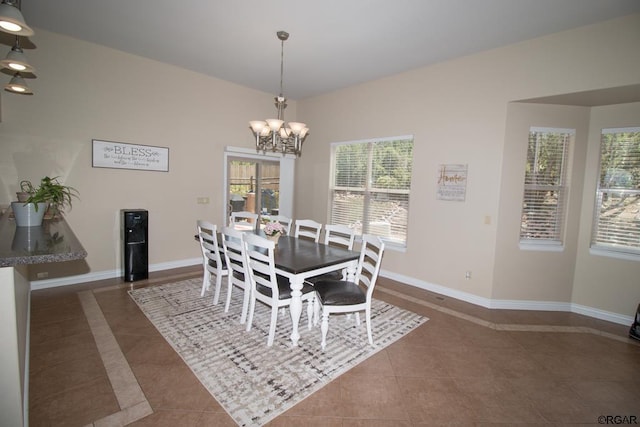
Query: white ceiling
[[333, 43]]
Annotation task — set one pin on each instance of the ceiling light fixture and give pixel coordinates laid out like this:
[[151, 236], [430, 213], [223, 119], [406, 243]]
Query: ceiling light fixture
[[18, 85], [16, 60], [11, 19], [274, 134]]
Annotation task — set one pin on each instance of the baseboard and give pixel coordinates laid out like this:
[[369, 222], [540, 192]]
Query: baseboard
[[442, 290], [109, 274], [511, 304]]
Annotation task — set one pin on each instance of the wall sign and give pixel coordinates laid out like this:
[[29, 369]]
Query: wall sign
[[452, 182], [118, 155]]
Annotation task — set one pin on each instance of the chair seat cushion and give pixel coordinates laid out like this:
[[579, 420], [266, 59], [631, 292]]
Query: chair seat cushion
[[332, 275], [223, 263], [339, 292], [284, 290]]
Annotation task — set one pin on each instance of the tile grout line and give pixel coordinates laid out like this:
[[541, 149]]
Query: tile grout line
[[131, 399], [506, 326]]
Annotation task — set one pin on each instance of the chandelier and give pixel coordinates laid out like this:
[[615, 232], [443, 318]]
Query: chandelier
[[12, 22], [274, 134]]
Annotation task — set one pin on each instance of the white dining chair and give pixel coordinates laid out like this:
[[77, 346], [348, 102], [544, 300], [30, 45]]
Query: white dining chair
[[308, 229], [243, 220], [212, 261], [284, 220], [235, 257], [343, 296], [340, 236], [268, 287]]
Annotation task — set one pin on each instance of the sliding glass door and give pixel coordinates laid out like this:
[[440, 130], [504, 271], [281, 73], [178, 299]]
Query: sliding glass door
[[253, 185]]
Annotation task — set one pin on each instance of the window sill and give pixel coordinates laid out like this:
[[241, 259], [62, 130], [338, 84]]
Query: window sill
[[542, 247], [598, 251]]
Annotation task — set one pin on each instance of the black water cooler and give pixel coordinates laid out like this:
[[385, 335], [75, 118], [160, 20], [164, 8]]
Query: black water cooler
[[135, 227]]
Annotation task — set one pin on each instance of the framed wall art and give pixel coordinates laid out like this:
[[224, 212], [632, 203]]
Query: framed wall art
[[452, 182], [120, 155]]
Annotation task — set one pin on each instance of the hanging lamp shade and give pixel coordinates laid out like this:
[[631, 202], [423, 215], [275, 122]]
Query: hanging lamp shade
[[12, 21], [16, 60], [18, 85]]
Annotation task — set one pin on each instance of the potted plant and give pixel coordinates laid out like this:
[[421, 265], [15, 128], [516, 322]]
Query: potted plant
[[26, 190], [273, 230], [51, 193]]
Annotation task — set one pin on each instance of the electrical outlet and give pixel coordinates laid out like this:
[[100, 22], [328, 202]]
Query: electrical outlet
[[203, 200], [467, 275]]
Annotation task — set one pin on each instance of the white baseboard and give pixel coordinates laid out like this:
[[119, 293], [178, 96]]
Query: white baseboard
[[109, 274], [511, 304], [453, 293]]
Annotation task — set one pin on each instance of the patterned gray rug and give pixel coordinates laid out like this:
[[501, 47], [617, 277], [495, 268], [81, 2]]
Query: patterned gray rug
[[255, 383]]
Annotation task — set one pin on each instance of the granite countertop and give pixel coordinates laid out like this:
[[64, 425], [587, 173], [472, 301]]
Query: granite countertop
[[54, 241]]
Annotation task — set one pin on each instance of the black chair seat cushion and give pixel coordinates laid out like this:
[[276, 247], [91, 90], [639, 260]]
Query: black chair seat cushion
[[284, 290], [332, 275], [238, 275], [212, 263], [339, 292]]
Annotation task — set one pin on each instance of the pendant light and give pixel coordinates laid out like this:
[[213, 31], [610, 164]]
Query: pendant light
[[11, 19]]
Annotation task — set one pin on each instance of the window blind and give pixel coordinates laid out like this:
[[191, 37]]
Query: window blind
[[617, 213], [545, 186], [371, 186]]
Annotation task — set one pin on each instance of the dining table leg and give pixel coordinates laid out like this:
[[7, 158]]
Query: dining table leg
[[296, 307]]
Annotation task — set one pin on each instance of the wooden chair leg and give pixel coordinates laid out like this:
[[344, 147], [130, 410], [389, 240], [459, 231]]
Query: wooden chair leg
[[310, 309], [229, 290], [252, 307], [245, 304], [206, 281], [368, 319], [324, 327], [272, 326], [216, 294]]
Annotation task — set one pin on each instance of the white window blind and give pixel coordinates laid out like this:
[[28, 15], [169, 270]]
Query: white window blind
[[545, 186], [371, 185], [617, 212]]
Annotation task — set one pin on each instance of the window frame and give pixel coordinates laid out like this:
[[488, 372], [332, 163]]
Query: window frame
[[557, 241], [368, 191], [600, 248]]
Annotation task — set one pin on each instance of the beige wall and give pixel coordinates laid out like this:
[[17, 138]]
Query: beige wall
[[609, 284], [457, 112], [85, 91], [534, 274]]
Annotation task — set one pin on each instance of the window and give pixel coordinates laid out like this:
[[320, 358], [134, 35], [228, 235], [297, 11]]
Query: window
[[370, 186], [617, 212], [254, 185], [545, 188], [257, 183]]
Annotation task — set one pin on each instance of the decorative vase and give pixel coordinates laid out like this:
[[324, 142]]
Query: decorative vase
[[26, 214], [274, 238]]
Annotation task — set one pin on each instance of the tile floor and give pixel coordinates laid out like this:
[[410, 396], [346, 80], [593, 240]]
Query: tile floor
[[465, 366]]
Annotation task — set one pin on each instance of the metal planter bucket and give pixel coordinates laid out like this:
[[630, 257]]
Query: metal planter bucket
[[26, 214]]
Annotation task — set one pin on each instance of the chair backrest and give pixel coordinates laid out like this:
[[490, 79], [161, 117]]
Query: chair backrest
[[234, 253], [369, 262], [211, 257], [339, 235], [308, 229], [286, 221], [260, 263], [243, 220]]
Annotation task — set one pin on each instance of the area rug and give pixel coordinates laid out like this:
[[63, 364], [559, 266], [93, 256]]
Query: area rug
[[252, 382]]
